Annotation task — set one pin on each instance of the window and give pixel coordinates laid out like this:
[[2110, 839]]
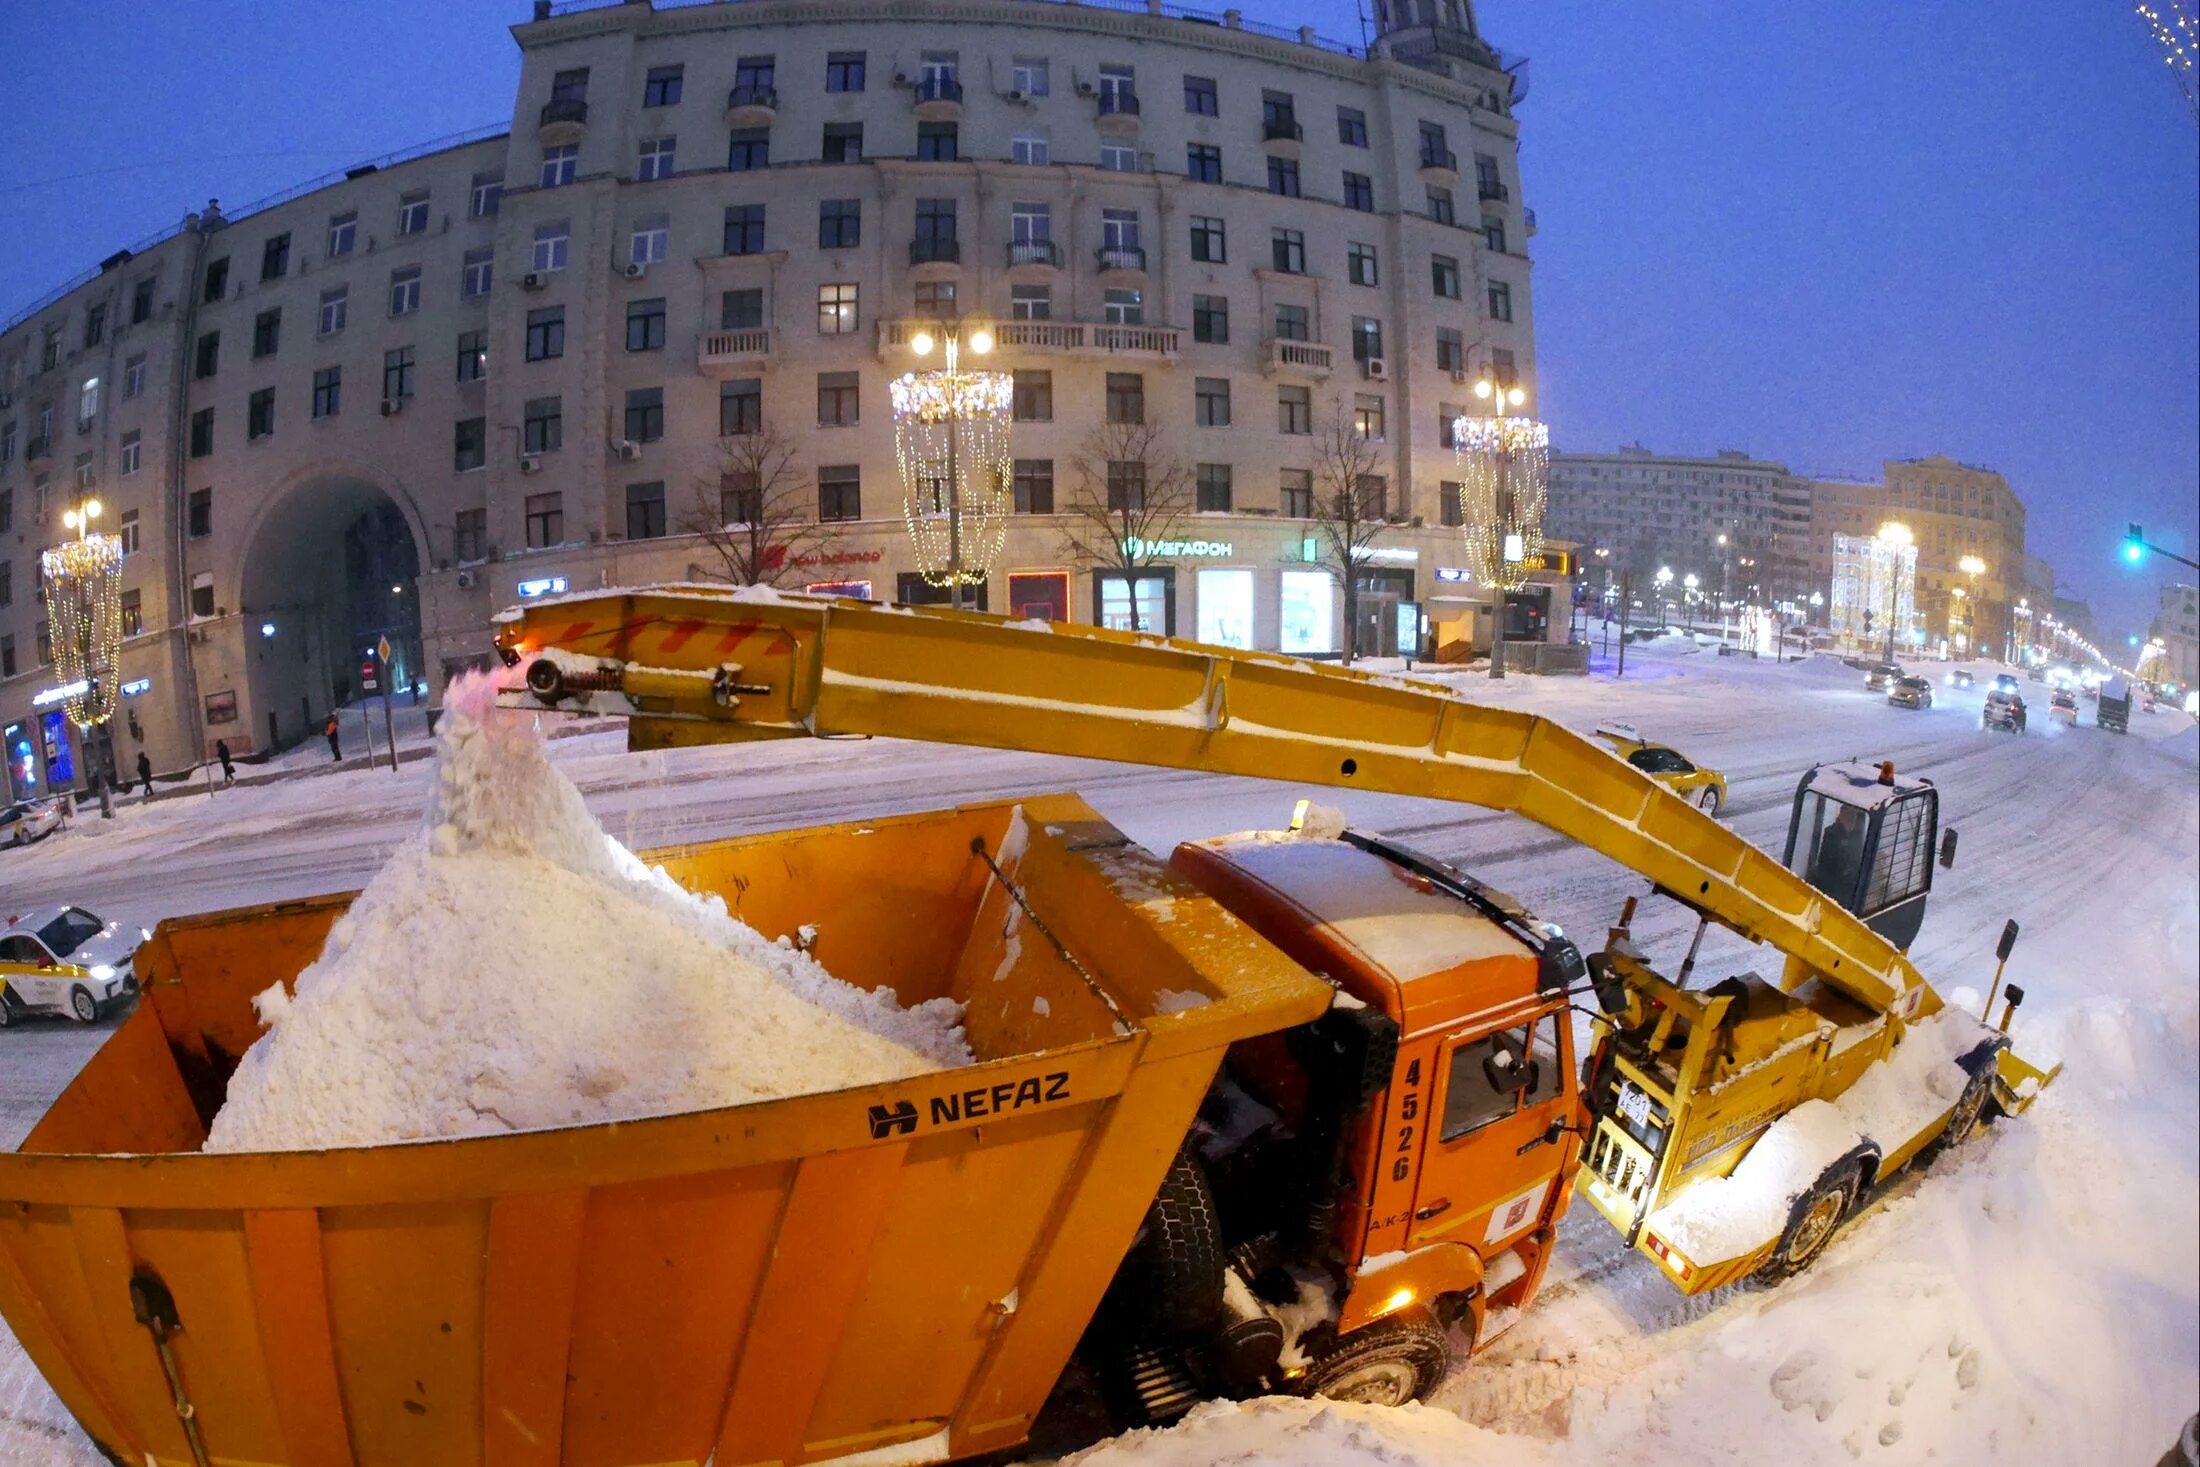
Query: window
[[7, 447], [1501, 301], [645, 414], [267, 332], [1203, 161], [1367, 338], [935, 230], [1119, 229], [328, 392], [1367, 416], [1030, 224], [545, 333], [1200, 97], [412, 213], [1451, 350], [744, 229], [95, 324], [130, 529], [838, 400], [1126, 484], [839, 492], [1211, 402], [656, 159], [1439, 205], [844, 71], [542, 425], [1435, 152], [1291, 323], [645, 325], [1123, 306], [1287, 251], [839, 224], [1359, 192], [1026, 147], [1213, 488], [645, 510], [740, 498], [558, 165], [1452, 500], [1115, 158], [836, 309], [1032, 396], [259, 414], [570, 86], [335, 305], [49, 348], [545, 520], [1126, 397], [1296, 494], [661, 87], [1034, 483], [749, 148], [469, 443], [275, 257], [470, 535], [488, 194], [87, 403], [1486, 184], [199, 514], [207, 358], [133, 613], [1373, 493], [650, 241], [1211, 318], [1359, 264], [1294, 410], [1493, 234], [133, 376], [220, 707], [405, 291], [141, 301], [7, 583], [1352, 127], [740, 310], [473, 355], [84, 470], [7, 656], [936, 142], [935, 299], [741, 406], [202, 432], [1283, 177], [131, 450], [1028, 75], [843, 142], [1278, 115], [1030, 303], [1493, 1077], [1444, 276], [45, 637], [475, 273], [7, 509]]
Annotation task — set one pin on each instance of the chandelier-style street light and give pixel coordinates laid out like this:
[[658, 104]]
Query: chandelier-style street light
[[1504, 473], [83, 581], [951, 431]]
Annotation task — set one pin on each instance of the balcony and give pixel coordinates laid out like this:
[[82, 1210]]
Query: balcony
[[1282, 136], [1090, 339], [1439, 166], [1281, 356], [1120, 260], [1034, 258], [564, 120], [38, 452], [933, 258], [1527, 218], [939, 98], [1490, 191], [1118, 112], [724, 354], [752, 106]]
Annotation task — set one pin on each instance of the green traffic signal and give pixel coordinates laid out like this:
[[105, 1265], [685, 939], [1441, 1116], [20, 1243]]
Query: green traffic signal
[[2135, 543]]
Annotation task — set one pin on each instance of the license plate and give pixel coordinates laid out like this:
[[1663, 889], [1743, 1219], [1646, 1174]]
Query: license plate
[[1634, 1103]]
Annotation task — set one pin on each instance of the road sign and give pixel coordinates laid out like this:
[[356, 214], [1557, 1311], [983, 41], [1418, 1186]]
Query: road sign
[[382, 650]]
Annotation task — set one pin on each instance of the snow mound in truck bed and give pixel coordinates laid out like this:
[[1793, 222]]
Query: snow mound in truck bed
[[513, 967]]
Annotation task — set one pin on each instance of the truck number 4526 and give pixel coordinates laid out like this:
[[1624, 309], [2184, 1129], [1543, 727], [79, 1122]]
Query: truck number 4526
[[1409, 1107]]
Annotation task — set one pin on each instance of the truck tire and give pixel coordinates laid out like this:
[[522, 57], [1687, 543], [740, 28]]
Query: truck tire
[[1964, 1119], [1389, 1363], [1171, 1280], [1812, 1221], [82, 1004]]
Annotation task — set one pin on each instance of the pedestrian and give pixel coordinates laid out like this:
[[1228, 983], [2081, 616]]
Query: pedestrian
[[145, 771], [335, 746], [229, 770]]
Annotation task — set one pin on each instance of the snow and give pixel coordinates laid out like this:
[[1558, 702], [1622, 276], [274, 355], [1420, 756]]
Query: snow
[[1857, 783], [1278, 1432], [512, 967]]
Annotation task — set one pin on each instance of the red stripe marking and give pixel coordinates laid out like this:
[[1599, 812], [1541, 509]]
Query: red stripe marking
[[681, 633]]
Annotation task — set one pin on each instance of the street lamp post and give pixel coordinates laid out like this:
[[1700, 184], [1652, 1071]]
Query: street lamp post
[[1689, 583], [949, 426], [84, 614], [1664, 579], [1972, 567], [1895, 539], [1509, 547]]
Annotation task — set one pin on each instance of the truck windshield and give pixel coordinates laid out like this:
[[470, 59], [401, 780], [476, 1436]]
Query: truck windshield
[[65, 932]]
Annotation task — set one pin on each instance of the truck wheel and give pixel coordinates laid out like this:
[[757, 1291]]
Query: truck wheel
[[1389, 1363], [1811, 1224], [82, 1004], [1963, 1120], [1171, 1280]]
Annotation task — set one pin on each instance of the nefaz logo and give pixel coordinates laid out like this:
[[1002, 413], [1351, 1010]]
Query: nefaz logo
[[900, 1117]]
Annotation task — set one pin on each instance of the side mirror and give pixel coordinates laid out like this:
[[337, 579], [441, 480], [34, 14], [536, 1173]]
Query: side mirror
[[1610, 990], [1506, 1069], [1947, 849], [2008, 941]]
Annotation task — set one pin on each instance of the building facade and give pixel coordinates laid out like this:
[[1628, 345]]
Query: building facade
[[1968, 526], [2177, 624], [382, 407], [1740, 525]]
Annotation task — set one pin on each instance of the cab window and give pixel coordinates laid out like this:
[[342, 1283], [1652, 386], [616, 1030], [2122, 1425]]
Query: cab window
[[20, 950], [65, 932], [1488, 1079], [1902, 866]]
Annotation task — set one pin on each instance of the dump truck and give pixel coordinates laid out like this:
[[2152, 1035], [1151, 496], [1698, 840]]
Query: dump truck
[[2113, 711], [1290, 1111]]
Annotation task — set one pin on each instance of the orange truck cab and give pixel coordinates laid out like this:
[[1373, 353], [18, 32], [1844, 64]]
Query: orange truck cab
[[1398, 1166]]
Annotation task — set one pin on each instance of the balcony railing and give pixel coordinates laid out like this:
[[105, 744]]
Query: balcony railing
[[938, 88], [764, 98], [560, 110], [1282, 130], [935, 251], [1034, 252], [1490, 190], [1121, 257], [1312, 357], [1441, 159], [1047, 337], [723, 348], [1117, 102]]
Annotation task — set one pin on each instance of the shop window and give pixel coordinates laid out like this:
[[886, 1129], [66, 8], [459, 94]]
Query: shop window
[[1040, 594], [1140, 601], [1306, 613], [1226, 608]]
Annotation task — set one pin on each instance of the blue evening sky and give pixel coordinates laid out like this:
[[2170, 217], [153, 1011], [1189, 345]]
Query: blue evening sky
[[1827, 234]]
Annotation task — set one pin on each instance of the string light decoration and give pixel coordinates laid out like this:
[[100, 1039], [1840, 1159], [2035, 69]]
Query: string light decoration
[[2178, 35], [1504, 465], [83, 579], [951, 443], [1875, 589]]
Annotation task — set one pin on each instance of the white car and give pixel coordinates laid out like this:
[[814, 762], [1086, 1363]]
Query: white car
[[28, 820], [65, 960]]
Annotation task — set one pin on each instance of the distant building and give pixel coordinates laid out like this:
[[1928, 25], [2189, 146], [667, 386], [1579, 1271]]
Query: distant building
[[1651, 510], [2177, 623], [1954, 511]]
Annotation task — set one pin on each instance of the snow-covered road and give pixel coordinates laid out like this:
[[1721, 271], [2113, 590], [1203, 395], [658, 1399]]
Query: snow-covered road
[[2036, 1304]]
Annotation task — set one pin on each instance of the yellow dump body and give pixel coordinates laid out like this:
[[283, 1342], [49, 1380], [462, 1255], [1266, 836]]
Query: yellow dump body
[[894, 1273]]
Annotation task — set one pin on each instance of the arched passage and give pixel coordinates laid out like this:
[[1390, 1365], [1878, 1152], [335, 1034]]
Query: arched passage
[[330, 568]]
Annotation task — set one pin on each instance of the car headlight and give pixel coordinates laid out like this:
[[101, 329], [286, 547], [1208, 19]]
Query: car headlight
[[102, 971]]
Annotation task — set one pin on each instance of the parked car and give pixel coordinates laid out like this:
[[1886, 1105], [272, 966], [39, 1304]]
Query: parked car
[[1910, 692], [28, 820], [1667, 765], [66, 960], [2004, 710], [1879, 675]]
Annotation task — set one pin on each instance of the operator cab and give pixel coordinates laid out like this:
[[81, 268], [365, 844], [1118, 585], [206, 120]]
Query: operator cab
[[1864, 836]]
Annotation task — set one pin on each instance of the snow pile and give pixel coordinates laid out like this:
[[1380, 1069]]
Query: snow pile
[[1724, 1217], [1284, 1432], [513, 967]]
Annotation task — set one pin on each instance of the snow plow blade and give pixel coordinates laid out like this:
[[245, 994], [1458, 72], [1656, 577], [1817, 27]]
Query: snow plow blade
[[895, 1272], [2018, 1082]]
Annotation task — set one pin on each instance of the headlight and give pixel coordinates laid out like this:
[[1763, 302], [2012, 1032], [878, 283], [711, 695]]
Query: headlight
[[102, 972]]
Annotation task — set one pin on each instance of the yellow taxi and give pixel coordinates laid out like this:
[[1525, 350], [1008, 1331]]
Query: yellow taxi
[[64, 960], [1705, 786]]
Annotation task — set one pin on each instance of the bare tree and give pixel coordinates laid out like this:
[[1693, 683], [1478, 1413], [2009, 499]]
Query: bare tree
[[1350, 509], [755, 514], [1131, 497]]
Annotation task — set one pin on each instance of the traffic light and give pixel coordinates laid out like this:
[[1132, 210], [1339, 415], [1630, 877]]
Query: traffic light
[[2135, 543]]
